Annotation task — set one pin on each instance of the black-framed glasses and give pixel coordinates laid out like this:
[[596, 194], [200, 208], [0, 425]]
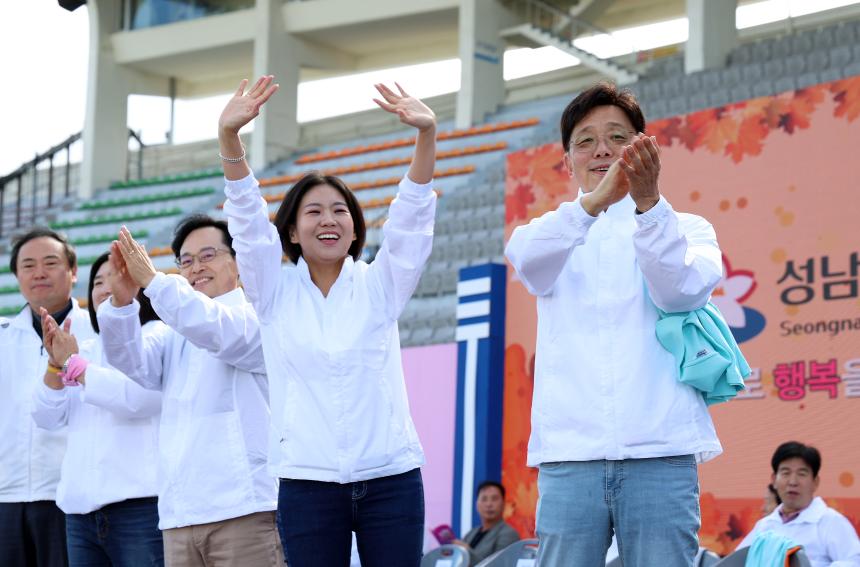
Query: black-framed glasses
[[205, 256]]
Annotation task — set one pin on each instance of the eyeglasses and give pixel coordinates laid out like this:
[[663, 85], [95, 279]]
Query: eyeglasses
[[205, 256], [587, 142]]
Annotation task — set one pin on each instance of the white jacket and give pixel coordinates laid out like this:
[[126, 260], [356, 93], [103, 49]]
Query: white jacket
[[215, 413], [340, 412], [604, 386], [827, 536], [112, 451], [30, 457]]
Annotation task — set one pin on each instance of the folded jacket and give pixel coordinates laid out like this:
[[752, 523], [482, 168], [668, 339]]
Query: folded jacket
[[705, 351], [769, 549]]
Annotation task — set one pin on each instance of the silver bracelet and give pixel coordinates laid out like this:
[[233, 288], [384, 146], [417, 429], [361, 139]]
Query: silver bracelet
[[233, 159]]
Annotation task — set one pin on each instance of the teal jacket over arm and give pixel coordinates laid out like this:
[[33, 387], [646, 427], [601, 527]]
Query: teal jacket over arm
[[705, 351]]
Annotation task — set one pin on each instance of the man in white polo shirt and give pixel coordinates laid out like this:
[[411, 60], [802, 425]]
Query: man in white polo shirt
[[827, 536]]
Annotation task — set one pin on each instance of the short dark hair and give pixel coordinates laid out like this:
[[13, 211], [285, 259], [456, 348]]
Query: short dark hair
[[285, 218], [602, 94], [199, 220], [40, 232], [795, 449], [490, 484], [147, 313]]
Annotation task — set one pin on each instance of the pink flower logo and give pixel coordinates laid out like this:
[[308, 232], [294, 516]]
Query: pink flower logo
[[734, 289]]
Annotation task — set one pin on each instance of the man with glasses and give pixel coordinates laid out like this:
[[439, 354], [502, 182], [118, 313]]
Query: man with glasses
[[216, 501], [616, 437]]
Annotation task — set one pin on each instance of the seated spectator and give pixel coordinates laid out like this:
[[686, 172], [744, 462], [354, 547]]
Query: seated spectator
[[827, 536], [494, 533]]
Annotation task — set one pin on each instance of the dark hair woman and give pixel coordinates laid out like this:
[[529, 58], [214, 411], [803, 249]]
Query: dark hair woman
[[345, 448]]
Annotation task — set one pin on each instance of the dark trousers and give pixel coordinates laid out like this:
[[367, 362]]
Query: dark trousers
[[32, 534], [386, 514], [123, 534]]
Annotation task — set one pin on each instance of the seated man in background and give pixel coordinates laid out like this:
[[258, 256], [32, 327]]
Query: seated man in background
[[494, 533], [827, 536]]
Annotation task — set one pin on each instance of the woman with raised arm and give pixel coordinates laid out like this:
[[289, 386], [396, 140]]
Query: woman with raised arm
[[344, 445], [108, 479]]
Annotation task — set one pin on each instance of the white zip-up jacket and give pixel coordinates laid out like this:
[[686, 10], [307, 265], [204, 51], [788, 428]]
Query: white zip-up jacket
[[827, 537], [112, 451], [604, 386], [30, 457], [214, 427], [340, 412]]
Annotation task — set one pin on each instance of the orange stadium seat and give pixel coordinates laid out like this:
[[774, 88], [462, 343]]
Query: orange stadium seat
[[390, 144]]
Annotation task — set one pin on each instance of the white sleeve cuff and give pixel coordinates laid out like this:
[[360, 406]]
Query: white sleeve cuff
[[412, 189], [574, 213], [236, 188], [157, 283], [655, 214]]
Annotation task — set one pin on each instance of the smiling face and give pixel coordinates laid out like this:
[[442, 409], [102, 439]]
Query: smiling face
[[795, 484], [44, 274], [216, 277], [324, 227], [101, 285], [596, 142]]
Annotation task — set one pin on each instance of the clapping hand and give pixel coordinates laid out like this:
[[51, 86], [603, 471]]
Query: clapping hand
[[411, 110], [137, 262], [640, 162], [58, 341]]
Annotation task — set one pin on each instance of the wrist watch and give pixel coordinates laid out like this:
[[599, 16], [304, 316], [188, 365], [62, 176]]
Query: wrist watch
[[66, 364]]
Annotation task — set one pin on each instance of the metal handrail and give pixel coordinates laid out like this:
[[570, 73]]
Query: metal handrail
[[32, 168]]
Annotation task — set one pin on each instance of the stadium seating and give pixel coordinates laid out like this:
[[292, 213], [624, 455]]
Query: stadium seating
[[471, 164], [446, 556], [739, 558], [519, 554]]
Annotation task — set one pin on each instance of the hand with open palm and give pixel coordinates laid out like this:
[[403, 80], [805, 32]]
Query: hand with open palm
[[411, 110], [244, 107]]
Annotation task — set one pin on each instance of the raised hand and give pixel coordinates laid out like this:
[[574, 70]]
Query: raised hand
[[137, 262], [640, 162], [612, 188], [244, 107], [58, 341], [122, 286], [411, 110]]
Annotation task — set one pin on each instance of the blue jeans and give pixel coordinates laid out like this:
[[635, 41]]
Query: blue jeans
[[652, 505], [386, 514], [32, 534], [123, 534]]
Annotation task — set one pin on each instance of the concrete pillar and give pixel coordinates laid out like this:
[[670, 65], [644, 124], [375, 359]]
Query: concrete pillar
[[713, 34], [482, 84], [105, 131], [276, 132]]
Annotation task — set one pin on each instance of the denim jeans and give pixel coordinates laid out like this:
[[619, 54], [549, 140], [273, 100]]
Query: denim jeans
[[386, 514], [32, 534], [123, 534], [652, 506]]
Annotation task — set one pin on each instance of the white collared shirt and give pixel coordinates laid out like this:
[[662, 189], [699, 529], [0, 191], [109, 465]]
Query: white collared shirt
[[30, 457], [214, 426], [827, 536], [604, 386], [112, 434], [340, 412]]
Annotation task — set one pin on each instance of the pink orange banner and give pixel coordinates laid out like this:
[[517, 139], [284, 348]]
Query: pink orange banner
[[779, 178]]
